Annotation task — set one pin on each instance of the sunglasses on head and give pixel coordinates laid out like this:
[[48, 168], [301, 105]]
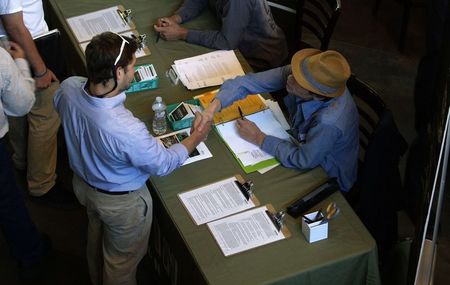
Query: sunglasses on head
[[122, 46]]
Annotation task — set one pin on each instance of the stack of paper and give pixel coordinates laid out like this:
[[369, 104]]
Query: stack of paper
[[208, 69]]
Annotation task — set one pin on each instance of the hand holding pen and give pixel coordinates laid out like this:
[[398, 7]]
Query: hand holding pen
[[248, 130]]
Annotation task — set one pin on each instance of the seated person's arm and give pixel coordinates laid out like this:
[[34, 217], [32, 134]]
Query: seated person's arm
[[169, 27], [320, 141], [235, 19], [190, 9], [238, 88]]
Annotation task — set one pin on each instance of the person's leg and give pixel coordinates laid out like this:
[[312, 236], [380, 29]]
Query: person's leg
[[18, 138], [24, 240], [43, 123], [127, 221], [95, 228]]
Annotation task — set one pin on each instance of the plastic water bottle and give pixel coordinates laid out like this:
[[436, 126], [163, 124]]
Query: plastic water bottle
[[159, 119]]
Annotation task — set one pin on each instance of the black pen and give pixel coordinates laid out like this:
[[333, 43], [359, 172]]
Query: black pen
[[240, 112]]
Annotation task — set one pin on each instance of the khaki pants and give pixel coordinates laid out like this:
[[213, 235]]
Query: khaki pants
[[35, 144], [118, 232]]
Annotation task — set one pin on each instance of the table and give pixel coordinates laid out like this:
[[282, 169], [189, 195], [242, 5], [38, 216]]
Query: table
[[183, 253]]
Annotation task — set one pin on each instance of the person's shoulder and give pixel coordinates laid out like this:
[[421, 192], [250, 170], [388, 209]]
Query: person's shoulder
[[10, 7], [340, 107], [73, 82]]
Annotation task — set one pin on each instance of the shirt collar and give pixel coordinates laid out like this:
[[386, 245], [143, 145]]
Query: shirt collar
[[310, 107], [104, 103]]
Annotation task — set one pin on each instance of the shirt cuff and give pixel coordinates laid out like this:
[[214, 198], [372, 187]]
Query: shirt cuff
[[181, 151], [193, 36], [270, 144]]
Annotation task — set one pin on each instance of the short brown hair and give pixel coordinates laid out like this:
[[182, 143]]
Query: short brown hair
[[101, 53]]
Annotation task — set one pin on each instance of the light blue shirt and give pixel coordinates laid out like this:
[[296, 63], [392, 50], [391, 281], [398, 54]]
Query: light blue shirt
[[328, 131], [108, 147]]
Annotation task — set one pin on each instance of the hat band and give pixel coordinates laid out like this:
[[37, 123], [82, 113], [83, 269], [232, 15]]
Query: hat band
[[319, 86]]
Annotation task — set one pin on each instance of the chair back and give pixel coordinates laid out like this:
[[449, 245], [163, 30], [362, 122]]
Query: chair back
[[319, 17], [370, 108], [377, 191]]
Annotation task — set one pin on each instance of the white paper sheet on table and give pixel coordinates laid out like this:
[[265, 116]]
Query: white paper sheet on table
[[208, 69]]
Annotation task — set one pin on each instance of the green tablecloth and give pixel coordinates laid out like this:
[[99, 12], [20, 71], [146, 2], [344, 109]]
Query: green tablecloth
[[188, 253]]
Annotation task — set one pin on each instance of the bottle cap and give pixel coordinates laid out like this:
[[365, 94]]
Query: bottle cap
[[158, 99]]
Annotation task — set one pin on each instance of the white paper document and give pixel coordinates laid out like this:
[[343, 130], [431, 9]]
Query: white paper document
[[199, 153], [244, 231], [88, 25], [246, 152], [215, 201], [208, 69]]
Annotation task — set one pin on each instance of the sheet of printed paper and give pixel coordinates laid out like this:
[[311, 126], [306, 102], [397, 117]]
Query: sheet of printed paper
[[246, 152], [88, 25], [200, 152], [140, 52], [208, 69], [244, 231], [215, 201]]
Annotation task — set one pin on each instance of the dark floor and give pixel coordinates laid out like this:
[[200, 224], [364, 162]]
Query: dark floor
[[370, 44]]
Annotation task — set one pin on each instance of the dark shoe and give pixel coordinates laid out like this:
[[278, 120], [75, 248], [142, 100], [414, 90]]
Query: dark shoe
[[58, 197], [34, 272]]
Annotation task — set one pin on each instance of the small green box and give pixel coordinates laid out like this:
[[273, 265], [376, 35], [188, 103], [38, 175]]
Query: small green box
[[182, 124], [145, 78]]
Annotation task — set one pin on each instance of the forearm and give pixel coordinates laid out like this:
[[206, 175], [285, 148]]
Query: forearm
[[190, 9], [18, 33], [192, 141]]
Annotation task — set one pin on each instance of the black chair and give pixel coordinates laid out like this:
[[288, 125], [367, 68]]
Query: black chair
[[296, 18], [319, 17], [377, 191]]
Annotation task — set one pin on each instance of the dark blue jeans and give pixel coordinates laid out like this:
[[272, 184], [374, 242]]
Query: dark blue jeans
[[16, 225]]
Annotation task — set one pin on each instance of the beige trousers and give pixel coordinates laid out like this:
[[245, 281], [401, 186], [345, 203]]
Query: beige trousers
[[118, 232], [34, 142]]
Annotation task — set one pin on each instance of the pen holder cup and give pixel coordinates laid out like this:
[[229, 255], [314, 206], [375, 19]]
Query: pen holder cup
[[181, 124], [314, 231]]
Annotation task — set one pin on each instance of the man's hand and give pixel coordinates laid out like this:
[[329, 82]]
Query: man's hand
[[207, 116], [16, 51], [250, 132], [169, 28], [46, 80], [197, 135]]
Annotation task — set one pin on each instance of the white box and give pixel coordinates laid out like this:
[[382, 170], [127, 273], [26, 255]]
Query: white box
[[314, 231]]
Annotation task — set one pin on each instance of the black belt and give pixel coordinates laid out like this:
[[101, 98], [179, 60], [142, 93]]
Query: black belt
[[109, 192]]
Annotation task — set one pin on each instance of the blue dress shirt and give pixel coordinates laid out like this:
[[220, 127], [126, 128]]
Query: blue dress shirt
[[108, 147], [327, 131]]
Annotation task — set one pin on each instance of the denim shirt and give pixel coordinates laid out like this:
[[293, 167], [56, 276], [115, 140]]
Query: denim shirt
[[108, 147], [246, 25], [327, 130]]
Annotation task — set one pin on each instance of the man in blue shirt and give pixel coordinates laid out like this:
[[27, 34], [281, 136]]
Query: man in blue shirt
[[246, 25], [322, 113], [112, 154]]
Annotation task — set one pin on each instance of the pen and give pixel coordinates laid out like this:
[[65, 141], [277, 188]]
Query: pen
[[240, 112]]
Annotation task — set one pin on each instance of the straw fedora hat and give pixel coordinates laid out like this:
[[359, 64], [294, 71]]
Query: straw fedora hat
[[324, 73]]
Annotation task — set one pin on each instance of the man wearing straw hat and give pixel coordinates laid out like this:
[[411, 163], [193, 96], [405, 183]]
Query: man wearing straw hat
[[322, 113]]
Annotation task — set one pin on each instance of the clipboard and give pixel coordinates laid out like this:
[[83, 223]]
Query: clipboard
[[224, 237], [249, 105], [198, 201], [116, 19]]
